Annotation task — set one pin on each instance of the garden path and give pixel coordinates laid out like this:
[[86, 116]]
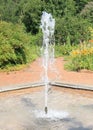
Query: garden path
[[34, 72]]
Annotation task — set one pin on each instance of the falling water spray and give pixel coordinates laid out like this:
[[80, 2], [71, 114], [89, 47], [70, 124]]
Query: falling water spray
[[47, 26]]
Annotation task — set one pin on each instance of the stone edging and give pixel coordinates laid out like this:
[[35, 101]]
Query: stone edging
[[38, 84], [73, 86]]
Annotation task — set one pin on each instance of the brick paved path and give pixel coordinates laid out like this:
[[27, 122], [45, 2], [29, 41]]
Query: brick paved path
[[34, 73]]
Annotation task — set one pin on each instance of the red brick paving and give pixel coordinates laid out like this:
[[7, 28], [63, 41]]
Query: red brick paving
[[34, 72]]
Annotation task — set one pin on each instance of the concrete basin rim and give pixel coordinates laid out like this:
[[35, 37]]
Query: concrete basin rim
[[52, 83]]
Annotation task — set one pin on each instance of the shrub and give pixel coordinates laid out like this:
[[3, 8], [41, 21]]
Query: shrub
[[65, 49], [81, 58], [15, 45]]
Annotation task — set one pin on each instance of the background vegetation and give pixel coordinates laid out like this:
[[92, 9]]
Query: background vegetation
[[20, 29]]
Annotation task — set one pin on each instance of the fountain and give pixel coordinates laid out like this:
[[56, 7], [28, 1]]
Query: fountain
[[29, 115], [47, 26], [24, 110]]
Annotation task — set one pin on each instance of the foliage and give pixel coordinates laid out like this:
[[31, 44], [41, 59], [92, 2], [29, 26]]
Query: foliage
[[66, 13], [87, 12], [9, 10], [30, 16], [81, 58], [62, 50], [80, 4], [73, 27], [15, 45], [91, 32]]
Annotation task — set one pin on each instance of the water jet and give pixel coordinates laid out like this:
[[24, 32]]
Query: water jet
[[47, 26]]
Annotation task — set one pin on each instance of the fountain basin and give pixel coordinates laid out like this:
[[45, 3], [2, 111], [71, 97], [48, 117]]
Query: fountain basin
[[68, 109]]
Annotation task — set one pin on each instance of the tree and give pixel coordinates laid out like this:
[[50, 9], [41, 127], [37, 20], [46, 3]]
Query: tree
[[31, 13], [80, 4], [73, 27], [87, 12], [9, 10], [69, 9]]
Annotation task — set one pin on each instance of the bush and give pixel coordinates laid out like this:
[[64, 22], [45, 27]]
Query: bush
[[64, 49], [15, 45], [81, 58]]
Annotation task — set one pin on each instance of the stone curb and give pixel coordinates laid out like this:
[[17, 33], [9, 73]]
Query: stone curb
[[73, 86], [38, 84], [20, 86]]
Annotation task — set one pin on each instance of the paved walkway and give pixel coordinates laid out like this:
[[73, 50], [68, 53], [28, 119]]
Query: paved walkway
[[34, 73]]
